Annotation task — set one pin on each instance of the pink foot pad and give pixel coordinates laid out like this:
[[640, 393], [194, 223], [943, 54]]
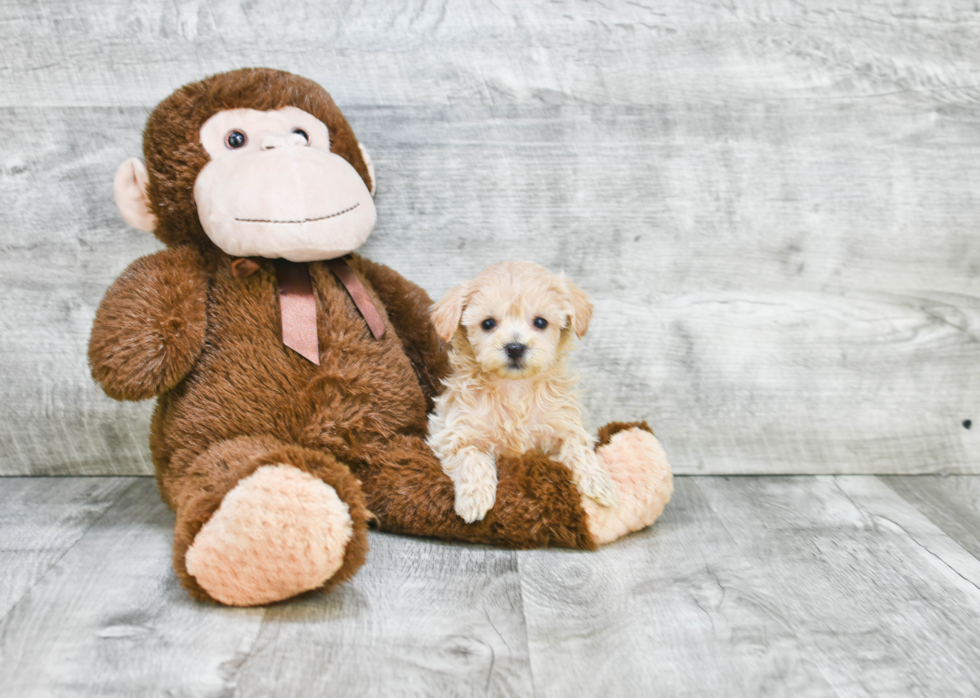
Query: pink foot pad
[[278, 533], [638, 466]]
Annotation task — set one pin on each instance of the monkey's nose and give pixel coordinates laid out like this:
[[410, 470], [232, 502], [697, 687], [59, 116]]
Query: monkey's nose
[[514, 350]]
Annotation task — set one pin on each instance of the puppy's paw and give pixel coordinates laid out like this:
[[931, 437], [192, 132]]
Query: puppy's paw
[[599, 487], [474, 476], [472, 504], [592, 479]]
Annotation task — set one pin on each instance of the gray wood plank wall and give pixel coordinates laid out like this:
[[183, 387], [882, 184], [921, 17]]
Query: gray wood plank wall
[[773, 205]]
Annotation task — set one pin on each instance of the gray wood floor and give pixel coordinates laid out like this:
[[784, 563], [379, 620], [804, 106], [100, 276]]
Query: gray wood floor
[[748, 586]]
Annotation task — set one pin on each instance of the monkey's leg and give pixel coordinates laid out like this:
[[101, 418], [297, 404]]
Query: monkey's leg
[[536, 506], [638, 466], [259, 521]]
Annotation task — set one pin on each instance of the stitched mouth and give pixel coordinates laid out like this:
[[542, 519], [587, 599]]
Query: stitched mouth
[[305, 220]]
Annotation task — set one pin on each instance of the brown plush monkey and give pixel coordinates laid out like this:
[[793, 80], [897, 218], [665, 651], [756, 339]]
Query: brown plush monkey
[[293, 377]]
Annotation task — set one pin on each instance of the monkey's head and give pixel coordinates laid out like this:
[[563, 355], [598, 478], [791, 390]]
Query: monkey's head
[[256, 162]]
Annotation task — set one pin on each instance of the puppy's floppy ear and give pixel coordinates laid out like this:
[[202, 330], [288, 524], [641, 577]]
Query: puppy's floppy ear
[[447, 313], [581, 308]]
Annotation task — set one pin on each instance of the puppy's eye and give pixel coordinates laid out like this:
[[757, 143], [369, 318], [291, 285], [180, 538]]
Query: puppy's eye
[[540, 323], [236, 139], [304, 134], [488, 324]]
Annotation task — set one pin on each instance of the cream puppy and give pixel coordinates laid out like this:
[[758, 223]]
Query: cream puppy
[[510, 390]]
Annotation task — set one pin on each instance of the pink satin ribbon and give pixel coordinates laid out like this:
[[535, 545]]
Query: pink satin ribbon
[[348, 277], [298, 308], [298, 304]]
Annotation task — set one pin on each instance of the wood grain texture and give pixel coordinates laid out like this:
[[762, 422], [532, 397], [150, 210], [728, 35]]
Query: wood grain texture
[[422, 618], [952, 503], [110, 618], [672, 611], [131, 52], [40, 520], [747, 587], [830, 586], [63, 244], [886, 603], [773, 204]]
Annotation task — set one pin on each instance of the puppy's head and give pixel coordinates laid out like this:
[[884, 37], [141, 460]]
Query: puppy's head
[[515, 318]]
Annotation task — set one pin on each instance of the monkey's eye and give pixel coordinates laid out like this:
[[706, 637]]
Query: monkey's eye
[[236, 139], [488, 324], [540, 323], [302, 133]]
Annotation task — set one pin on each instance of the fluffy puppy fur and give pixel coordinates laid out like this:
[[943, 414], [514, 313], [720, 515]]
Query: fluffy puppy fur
[[510, 391]]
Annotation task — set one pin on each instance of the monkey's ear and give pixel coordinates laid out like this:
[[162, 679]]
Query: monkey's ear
[[447, 313], [130, 189], [581, 309], [370, 165]]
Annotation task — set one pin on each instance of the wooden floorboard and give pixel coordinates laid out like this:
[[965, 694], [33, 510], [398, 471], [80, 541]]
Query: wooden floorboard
[[676, 610], [883, 602], [951, 502], [762, 586], [422, 618], [41, 518], [110, 618], [748, 586]]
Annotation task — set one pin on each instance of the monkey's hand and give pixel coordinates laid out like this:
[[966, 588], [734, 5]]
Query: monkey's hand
[[474, 476], [149, 328], [588, 474]]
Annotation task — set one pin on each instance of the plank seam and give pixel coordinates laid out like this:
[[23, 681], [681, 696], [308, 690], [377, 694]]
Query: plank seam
[[527, 628], [54, 563]]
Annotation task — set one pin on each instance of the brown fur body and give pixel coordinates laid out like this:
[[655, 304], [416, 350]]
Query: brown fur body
[[232, 397]]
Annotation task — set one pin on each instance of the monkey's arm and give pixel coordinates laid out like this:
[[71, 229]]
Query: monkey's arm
[[408, 309], [149, 328]]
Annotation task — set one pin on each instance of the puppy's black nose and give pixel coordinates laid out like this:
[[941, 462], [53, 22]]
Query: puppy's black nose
[[514, 350]]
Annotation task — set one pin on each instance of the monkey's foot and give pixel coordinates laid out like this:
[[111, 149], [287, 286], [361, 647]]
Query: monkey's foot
[[638, 466], [278, 533]]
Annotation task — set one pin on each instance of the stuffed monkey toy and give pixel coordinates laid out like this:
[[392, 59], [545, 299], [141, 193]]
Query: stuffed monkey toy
[[292, 376]]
